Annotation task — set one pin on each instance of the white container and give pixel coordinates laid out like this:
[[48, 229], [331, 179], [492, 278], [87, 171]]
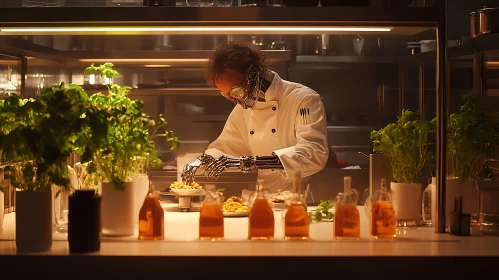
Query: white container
[[33, 221], [406, 199], [456, 188], [141, 188], [117, 209]]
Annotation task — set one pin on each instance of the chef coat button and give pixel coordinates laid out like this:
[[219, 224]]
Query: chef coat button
[[252, 132], [274, 108], [273, 130]]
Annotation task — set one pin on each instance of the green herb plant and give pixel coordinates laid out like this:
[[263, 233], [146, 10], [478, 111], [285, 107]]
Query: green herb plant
[[132, 132], [43, 132], [322, 212], [472, 136], [405, 144]]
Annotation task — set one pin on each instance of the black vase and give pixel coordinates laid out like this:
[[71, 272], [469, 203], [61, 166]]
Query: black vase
[[345, 2], [84, 222], [309, 3]]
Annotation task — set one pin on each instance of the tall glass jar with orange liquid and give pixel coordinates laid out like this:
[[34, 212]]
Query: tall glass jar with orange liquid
[[296, 221], [261, 216], [151, 217], [346, 216], [383, 220], [211, 217]]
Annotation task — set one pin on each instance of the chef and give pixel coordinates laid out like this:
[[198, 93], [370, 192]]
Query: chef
[[277, 128]]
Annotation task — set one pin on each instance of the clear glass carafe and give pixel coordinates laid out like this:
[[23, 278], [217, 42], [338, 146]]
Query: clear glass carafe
[[346, 216], [382, 217], [296, 221], [211, 217], [261, 217], [428, 204]]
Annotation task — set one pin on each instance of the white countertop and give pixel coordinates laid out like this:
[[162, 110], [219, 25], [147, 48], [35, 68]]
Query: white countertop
[[181, 232]]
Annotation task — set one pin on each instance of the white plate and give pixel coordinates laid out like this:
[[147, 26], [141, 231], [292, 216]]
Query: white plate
[[187, 191], [236, 214]]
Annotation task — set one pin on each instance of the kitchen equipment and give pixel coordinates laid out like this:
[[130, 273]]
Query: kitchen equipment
[[325, 3], [414, 46], [43, 3], [309, 3], [255, 3], [224, 3], [428, 45], [358, 44], [472, 24], [488, 20]]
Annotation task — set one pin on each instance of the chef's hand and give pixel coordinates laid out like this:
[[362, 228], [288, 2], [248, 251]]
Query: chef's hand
[[245, 164], [189, 171]]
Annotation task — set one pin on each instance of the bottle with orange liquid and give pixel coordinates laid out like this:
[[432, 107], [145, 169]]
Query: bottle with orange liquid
[[296, 221], [346, 216], [211, 217], [151, 217], [261, 216], [383, 222]]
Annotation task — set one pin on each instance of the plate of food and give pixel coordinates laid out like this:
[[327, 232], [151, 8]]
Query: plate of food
[[234, 207], [181, 188]]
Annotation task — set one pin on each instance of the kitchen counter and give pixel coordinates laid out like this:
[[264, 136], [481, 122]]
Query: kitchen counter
[[412, 247]]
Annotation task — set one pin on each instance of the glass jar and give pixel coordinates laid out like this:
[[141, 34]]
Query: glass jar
[[489, 206]]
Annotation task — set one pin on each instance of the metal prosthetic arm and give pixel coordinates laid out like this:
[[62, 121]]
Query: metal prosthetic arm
[[245, 164], [189, 171]]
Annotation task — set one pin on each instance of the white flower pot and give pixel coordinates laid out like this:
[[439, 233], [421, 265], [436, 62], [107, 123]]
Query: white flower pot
[[406, 200], [33, 221], [454, 189], [141, 188], [117, 209]]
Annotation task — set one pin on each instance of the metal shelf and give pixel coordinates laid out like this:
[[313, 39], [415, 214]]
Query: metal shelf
[[401, 21], [344, 59]]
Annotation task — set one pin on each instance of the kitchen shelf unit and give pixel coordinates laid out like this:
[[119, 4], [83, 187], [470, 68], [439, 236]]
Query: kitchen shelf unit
[[245, 20]]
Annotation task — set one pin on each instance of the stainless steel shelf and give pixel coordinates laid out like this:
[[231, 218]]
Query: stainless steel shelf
[[344, 59], [402, 21]]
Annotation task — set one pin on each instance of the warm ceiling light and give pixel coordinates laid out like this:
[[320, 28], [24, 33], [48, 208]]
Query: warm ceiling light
[[145, 60], [108, 30]]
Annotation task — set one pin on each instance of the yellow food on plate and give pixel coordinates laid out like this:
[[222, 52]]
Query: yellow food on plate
[[182, 186], [234, 205]]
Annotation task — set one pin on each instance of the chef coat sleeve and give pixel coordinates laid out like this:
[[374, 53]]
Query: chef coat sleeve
[[311, 152], [231, 140]]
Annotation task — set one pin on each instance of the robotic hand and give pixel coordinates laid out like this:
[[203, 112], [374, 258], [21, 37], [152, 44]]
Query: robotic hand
[[246, 164], [189, 171]]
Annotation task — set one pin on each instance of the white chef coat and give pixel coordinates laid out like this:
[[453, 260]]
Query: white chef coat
[[276, 125]]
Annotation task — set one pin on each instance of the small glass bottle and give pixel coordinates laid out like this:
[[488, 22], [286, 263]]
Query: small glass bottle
[[383, 222], [211, 217], [151, 217], [296, 221], [261, 217], [346, 216]]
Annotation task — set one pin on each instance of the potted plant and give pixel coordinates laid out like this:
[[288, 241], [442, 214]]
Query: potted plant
[[129, 143], [405, 144], [46, 131], [472, 136]]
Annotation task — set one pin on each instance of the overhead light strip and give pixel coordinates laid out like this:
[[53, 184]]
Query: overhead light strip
[[193, 29]]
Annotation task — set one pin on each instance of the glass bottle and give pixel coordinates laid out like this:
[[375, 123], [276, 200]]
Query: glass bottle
[[261, 217], [383, 222], [428, 204], [151, 217], [346, 216], [211, 217], [296, 221]]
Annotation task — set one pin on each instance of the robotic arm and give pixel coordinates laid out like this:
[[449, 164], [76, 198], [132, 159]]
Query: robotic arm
[[215, 167]]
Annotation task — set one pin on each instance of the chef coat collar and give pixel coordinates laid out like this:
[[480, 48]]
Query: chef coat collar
[[274, 91]]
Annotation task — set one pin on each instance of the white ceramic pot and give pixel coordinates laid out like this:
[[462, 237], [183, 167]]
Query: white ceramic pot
[[33, 221], [141, 188], [406, 200], [456, 188], [117, 209]]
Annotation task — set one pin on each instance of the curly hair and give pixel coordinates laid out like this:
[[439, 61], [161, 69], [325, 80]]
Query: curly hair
[[235, 56]]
